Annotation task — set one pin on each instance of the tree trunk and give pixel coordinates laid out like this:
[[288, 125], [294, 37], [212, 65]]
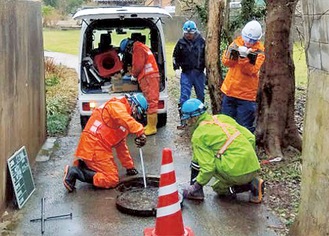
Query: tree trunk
[[313, 212], [276, 126], [214, 26]]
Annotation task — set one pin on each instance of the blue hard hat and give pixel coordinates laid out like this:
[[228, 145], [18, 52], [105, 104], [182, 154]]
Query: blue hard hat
[[138, 104], [124, 43], [189, 27], [192, 107]]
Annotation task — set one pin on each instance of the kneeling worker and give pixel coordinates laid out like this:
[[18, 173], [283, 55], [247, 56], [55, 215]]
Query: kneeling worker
[[222, 149], [107, 128]]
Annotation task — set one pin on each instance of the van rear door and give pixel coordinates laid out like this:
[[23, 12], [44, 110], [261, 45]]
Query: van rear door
[[121, 13]]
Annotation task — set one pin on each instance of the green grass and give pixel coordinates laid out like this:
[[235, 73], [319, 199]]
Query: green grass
[[169, 50], [300, 65], [67, 41]]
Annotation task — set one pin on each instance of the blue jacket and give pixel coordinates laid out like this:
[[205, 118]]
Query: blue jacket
[[189, 55]]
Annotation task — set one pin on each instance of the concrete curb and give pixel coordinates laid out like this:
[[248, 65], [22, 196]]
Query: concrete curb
[[46, 150]]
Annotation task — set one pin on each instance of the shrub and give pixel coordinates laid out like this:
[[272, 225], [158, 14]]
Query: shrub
[[61, 93], [57, 124]]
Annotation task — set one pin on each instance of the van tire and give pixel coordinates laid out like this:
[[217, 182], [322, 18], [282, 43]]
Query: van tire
[[162, 120], [83, 121]]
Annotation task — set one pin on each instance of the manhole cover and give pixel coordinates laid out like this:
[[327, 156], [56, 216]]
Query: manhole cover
[[141, 202], [137, 200], [136, 182]]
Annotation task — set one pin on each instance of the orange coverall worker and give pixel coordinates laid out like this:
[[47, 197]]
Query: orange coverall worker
[[107, 128], [145, 69]]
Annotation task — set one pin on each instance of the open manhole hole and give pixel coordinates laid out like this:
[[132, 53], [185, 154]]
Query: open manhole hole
[[137, 200]]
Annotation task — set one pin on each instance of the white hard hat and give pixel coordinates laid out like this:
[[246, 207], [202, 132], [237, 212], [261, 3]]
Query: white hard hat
[[252, 30]]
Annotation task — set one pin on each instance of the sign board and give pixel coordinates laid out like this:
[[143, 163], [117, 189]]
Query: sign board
[[21, 176]]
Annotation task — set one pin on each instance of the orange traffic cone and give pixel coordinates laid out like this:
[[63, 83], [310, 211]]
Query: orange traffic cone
[[169, 220]]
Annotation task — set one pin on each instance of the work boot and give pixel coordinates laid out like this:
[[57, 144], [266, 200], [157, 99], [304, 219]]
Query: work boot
[[194, 192], [182, 125], [240, 188], [131, 172], [151, 127], [257, 190], [88, 174], [81, 164], [195, 169], [72, 173], [69, 178]]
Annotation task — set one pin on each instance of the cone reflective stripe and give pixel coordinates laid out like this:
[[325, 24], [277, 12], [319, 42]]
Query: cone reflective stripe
[[169, 220]]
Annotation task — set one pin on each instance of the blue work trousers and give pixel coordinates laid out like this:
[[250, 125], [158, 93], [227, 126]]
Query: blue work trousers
[[243, 111], [191, 78]]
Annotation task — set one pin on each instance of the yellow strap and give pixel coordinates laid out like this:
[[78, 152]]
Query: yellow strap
[[230, 138]]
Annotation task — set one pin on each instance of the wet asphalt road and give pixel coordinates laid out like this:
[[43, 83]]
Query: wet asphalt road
[[94, 211]]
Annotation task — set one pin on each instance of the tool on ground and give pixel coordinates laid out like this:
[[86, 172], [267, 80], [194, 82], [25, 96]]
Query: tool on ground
[[142, 163], [43, 219], [277, 159]]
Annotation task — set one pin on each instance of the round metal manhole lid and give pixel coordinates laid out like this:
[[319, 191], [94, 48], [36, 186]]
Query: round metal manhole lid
[[137, 200], [141, 202]]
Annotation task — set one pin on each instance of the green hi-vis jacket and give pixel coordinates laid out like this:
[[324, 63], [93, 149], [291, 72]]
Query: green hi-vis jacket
[[222, 146]]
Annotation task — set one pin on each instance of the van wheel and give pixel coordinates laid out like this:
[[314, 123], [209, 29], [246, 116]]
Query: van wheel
[[162, 120], [83, 121]]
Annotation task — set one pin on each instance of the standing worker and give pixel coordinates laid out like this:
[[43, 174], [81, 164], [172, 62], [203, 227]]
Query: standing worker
[[189, 55], [107, 128], [244, 57], [144, 67], [222, 149]]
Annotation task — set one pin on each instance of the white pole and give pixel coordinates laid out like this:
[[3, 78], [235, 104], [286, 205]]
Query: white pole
[[142, 162]]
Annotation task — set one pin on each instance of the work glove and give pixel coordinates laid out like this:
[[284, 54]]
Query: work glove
[[244, 51], [194, 192], [131, 172], [140, 141], [177, 73]]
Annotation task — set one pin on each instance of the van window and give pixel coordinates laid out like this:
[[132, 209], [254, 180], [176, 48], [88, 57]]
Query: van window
[[102, 60]]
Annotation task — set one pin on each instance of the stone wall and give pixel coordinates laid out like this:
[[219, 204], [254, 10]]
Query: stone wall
[[22, 91]]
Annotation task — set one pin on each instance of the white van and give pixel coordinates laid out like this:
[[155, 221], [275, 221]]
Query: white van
[[102, 30]]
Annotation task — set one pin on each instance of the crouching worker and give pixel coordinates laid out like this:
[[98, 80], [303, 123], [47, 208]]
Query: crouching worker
[[107, 128], [222, 149]]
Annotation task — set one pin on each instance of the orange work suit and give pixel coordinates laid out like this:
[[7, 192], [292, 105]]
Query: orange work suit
[[145, 69], [107, 128], [242, 77]]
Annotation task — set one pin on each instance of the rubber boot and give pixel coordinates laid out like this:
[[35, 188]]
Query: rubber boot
[[88, 174], [182, 123], [240, 188], [194, 192], [72, 173], [195, 169], [257, 190], [70, 176], [151, 127]]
